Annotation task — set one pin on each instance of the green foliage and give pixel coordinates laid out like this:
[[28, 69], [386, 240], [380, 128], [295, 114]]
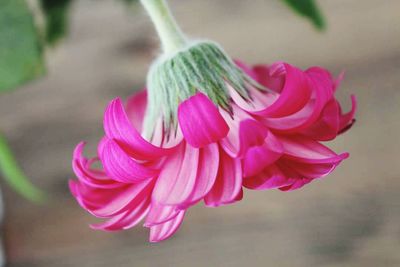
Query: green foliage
[[56, 15], [20, 47], [14, 176], [308, 9]]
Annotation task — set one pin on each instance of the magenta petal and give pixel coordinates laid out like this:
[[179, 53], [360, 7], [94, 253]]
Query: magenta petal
[[121, 167], [294, 96], [269, 178], [346, 120], [271, 79], [136, 108], [259, 157], [165, 230], [228, 183], [178, 176], [159, 214], [117, 126], [200, 121]]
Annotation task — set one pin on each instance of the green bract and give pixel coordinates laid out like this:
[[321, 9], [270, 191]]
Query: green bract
[[199, 67]]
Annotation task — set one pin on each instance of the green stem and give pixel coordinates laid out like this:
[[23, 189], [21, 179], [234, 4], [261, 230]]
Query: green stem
[[171, 36]]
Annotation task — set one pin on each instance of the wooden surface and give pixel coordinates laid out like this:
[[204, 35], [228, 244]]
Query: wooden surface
[[351, 218]]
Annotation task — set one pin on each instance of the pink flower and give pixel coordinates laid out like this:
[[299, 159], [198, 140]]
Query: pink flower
[[269, 140]]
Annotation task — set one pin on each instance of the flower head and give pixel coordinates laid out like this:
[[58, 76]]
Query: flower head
[[205, 128]]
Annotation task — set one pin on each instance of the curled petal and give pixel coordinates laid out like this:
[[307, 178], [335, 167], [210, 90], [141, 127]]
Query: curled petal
[[121, 167], [87, 176], [270, 77], [117, 126], [269, 178], [165, 230], [259, 157], [136, 108], [306, 150], [346, 120], [295, 94], [228, 183], [200, 121]]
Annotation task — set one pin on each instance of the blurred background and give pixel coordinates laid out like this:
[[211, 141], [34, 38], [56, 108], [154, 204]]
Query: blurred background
[[351, 218]]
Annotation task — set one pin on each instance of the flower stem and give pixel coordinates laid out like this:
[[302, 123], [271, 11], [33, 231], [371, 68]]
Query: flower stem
[[171, 36]]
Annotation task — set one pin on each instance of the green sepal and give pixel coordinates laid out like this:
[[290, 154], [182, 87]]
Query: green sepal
[[200, 67]]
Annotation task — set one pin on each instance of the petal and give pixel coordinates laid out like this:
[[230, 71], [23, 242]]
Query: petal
[[270, 178], [178, 176], [165, 230], [91, 178], [136, 108], [120, 167], [126, 220], [228, 183], [346, 120], [117, 126], [295, 94], [200, 121], [306, 150], [274, 79], [159, 214], [259, 157]]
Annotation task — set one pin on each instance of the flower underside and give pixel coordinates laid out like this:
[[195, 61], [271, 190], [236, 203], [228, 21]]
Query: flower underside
[[201, 67]]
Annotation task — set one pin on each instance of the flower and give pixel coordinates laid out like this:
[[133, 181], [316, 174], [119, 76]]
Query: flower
[[206, 133]]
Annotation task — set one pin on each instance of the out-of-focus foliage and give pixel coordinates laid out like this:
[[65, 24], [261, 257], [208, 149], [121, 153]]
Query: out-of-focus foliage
[[20, 46], [56, 16], [308, 9], [13, 174]]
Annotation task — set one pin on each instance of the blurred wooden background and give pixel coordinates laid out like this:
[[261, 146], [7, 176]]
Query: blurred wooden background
[[351, 218]]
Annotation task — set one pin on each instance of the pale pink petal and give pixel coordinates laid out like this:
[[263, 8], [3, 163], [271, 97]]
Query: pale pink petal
[[178, 176], [165, 230], [200, 121], [117, 126], [125, 220], [306, 150], [120, 167], [136, 108], [228, 183], [160, 213]]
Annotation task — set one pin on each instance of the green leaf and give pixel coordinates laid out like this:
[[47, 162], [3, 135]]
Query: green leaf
[[14, 176], [308, 9], [20, 47], [56, 15]]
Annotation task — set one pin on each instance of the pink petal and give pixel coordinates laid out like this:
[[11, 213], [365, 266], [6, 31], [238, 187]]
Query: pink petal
[[121, 167], [165, 230], [136, 108], [228, 183], [200, 121], [270, 178], [117, 126], [259, 157], [306, 150], [294, 96], [81, 168], [126, 220], [178, 176], [159, 214], [274, 80], [347, 119]]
